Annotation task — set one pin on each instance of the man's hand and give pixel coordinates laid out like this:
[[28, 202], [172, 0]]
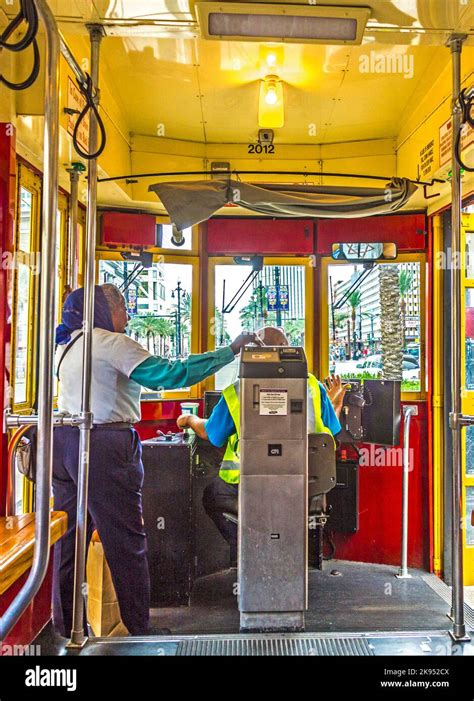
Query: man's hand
[[244, 339], [194, 422], [183, 421], [336, 391]]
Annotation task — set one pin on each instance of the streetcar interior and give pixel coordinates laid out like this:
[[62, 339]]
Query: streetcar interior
[[247, 178]]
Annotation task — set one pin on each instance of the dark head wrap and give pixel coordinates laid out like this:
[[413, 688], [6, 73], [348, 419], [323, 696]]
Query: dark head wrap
[[73, 314]]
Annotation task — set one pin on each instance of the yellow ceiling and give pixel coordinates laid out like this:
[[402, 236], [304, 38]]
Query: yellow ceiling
[[172, 83], [208, 91]]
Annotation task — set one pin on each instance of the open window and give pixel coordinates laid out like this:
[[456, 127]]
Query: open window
[[374, 324], [247, 293]]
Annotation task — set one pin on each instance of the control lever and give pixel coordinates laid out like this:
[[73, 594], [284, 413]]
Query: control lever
[[165, 436]]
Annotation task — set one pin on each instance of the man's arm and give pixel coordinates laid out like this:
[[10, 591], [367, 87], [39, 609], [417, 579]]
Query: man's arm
[[216, 429], [159, 373]]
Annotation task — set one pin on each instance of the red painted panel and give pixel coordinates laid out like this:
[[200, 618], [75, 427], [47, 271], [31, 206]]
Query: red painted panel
[[470, 322], [36, 615], [161, 415], [7, 216], [120, 228], [260, 236], [406, 230], [380, 506]]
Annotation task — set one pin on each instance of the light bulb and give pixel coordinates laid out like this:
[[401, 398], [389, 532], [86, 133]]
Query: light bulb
[[271, 97], [271, 60]]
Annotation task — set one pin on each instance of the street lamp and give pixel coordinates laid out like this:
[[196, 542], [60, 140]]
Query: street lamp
[[178, 292]]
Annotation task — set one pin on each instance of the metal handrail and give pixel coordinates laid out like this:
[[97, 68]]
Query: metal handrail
[[46, 340], [77, 633], [72, 233], [408, 412], [459, 629]]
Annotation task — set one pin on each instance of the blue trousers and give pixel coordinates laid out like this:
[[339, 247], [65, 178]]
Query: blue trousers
[[220, 497], [115, 509]]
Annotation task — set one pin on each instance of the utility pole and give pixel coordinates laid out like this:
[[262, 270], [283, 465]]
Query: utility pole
[[179, 292], [277, 288]]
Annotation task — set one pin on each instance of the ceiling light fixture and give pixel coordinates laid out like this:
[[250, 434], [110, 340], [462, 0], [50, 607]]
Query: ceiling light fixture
[[312, 24], [271, 113]]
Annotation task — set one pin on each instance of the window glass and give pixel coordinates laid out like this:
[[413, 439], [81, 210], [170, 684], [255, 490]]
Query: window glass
[[470, 254], [470, 451], [26, 204], [246, 300], [469, 510], [22, 333], [359, 299], [159, 302], [469, 320]]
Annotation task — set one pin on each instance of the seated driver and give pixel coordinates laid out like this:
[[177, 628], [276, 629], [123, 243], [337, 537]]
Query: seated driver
[[221, 495]]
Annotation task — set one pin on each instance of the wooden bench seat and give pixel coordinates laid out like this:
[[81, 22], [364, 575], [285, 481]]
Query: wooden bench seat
[[17, 537]]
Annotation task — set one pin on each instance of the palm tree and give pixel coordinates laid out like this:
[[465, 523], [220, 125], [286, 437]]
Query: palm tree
[[255, 311], [165, 329], [294, 330], [340, 317], [146, 327], [390, 323], [405, 282], [354, 300]]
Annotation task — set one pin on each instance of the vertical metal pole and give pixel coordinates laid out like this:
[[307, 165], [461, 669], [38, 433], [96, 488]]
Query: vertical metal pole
[[459, 629], [73, 221], [77, 634], [46, 325], [408, 412]]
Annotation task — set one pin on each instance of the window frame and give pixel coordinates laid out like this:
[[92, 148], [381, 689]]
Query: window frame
[[30, 181], [304, 261], [326, 261]]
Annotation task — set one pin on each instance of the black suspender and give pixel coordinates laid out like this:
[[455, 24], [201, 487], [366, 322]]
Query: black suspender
[[66, 351]]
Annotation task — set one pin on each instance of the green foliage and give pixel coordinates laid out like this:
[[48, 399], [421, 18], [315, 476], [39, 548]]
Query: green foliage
[[407, 385]]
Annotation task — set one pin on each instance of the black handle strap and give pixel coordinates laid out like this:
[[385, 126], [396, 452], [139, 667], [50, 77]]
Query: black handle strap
[[66, 351]]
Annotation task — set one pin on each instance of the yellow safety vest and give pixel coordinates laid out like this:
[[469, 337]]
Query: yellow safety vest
[[230, 467]]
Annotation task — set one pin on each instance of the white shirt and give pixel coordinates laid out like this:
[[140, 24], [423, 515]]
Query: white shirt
[[114, 396]]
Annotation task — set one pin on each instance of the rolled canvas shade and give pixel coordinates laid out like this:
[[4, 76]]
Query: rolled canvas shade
[[189, 203]]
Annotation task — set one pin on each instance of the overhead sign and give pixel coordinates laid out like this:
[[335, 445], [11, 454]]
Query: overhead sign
[[445, 140], [278, 298], [76, 101]]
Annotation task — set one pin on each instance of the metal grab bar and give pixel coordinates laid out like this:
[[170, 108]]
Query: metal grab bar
[[46, 340], [77, 633], [74, 176], [408, 412], [459, 629]]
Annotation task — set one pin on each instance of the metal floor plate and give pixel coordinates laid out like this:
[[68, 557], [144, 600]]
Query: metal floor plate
[[444, 591], [276, 646]]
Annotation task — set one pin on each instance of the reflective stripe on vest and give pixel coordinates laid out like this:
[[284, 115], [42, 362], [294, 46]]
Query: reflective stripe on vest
[[230, 467]]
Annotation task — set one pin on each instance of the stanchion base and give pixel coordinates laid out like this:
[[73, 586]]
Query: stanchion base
[[462, 639], [403, 576], [77, 646]]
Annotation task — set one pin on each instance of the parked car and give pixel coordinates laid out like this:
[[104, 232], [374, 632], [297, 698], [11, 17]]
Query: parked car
[[373, 366]]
